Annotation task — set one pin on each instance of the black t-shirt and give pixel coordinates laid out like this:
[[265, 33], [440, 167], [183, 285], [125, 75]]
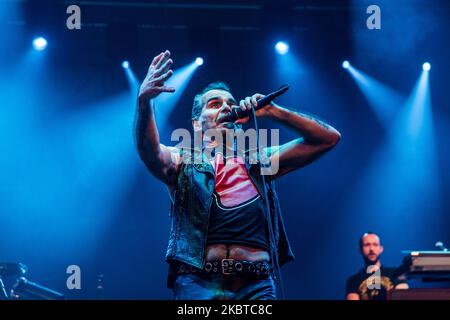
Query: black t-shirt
[[237, 214], [372, 285], [244, 224]]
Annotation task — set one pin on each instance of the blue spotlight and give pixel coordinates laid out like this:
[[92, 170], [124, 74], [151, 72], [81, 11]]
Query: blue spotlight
[[426, 66], [179, 80], [199, 61], [282, 47], [346, 64], [39, 43], [131, 77], [383, 99]]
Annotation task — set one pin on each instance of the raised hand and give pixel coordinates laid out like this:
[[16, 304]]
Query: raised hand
[[158, 73]]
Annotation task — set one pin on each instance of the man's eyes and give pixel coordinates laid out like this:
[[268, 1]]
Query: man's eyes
[[215, 104], [218, 104]]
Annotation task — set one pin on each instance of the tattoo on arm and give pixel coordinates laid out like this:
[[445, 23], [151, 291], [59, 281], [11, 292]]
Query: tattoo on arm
[[141, 122]]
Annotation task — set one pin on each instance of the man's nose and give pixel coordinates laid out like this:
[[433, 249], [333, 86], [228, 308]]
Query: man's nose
[[226, 107]]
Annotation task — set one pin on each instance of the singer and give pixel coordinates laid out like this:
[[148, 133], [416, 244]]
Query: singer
[[221, 245]]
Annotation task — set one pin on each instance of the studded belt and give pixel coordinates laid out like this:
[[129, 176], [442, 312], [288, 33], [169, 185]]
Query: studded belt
[[228, 267]]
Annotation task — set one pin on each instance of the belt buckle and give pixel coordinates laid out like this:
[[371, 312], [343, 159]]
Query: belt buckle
[[228, 262]]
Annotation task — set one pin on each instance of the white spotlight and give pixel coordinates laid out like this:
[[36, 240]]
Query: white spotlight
[[125, 64], [345, 64], [39, 43], [199, 61], [426, 66], [282, 47]]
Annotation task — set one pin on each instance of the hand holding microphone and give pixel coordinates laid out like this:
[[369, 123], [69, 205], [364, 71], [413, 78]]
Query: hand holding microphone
[[258, 101]]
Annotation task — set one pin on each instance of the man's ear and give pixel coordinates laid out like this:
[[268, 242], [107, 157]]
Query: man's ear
[[197, 125], [381, 249]]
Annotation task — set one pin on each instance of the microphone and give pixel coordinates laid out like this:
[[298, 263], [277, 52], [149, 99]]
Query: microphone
[[237, 113], [440, 245]]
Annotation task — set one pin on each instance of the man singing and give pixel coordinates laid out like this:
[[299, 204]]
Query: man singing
[[221, 245]]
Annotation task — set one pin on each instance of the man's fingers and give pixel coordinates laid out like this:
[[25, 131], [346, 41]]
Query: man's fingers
[[164, 68], [155, 62], [165, 89], [156, 59], [256, 97], [248, 103], [164, 77], [254, 101], [163, 59], [242, 105]]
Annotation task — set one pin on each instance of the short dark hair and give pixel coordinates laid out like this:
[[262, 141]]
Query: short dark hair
[[198, 106], [366, 234]]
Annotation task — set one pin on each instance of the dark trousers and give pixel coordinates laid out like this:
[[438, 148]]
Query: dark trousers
[[220, 287]]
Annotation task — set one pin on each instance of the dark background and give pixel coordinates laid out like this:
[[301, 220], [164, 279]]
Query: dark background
[[73, 190]]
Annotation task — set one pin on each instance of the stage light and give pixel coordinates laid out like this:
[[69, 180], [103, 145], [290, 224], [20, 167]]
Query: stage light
[[39, 43], [131, 77], [426, 66], [383, 100], [179, 80], [199, 61], [282, 47]]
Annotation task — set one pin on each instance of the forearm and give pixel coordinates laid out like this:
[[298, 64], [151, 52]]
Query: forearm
[[313, 130], [147, 136]]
